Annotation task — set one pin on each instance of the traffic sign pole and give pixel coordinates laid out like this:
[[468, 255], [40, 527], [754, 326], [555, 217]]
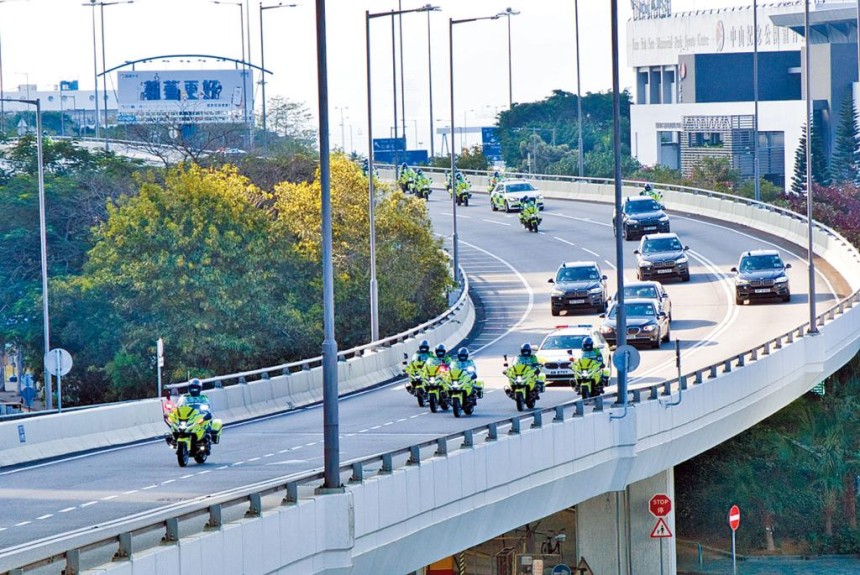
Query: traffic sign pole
[[734, 556], [57, 363], [734, 523]]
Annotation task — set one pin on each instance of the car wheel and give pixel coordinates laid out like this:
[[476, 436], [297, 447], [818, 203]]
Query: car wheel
[[739, 300], [786, 297], [685, 277], [656, 343], [507, 207], [670, 316], [493, 205], [640, 276], [625, 234], [555, 311], [668, 335]]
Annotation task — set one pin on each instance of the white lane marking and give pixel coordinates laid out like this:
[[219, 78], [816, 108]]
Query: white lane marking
[[376, 427], [129, 492], [524, 282], [497, 223], [414, 416], [2, 529], [746, 235], [595, 254], [224, 467], [310, 444], [88, 503], [610, 264], [253, 459], [389, 423], [283, 451], [464, 217], [269, 455], [204, 472], [187, 476], [148, 487], [349, 435], [586, 220], [564, 241], [109, 497], [362, 430], [732, 312], [47, 516], [401, 420], [237, 463], [23, 523], [168, 481]]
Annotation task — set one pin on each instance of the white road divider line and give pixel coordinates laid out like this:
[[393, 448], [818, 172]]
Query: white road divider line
[[67, 509], [109, 497], [610, 264], [253, 459], [168, 481], [23, 523], [88, 503], [389, 423], [564, 241], [595, 254], [153, 486], [127, 492], [497, 223], [204, 472], [46, 516], [269, 455], [586, 220], [187, 476]]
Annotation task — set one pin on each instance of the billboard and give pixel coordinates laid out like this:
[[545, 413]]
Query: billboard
[[186, 96]]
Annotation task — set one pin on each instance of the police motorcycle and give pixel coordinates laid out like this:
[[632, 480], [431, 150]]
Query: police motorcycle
[[590, 377], [420, 185], [406, 179], [493, 181], [461, 190], [414, 369], [652, 193], [530, 215], [435, 386], [525, 382], [464, 388], [191, 428]]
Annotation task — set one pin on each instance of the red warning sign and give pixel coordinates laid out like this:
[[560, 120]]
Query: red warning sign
[[661, 530]]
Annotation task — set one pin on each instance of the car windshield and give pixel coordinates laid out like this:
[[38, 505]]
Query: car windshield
[[759, 263], [641, 291], [563, 342], [577, 274], [641, 206], [524, 187], [662, 245], [635, 310]]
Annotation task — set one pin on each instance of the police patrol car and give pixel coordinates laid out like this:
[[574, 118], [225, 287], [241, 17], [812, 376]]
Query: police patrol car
[[563, 346]]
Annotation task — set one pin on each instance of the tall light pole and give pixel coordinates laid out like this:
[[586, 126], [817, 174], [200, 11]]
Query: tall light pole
[[93, 5], [508, 13], [402, 75], [430, 87], [104, 62], [3, 95], [331, 442], [454, 237], [810, 253], [374, 290], [580, 154], [263, 68], [621, 313], [43, 243], [244, 65], [755, 103], [342, 130]]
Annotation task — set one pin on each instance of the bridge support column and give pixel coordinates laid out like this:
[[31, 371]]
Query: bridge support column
[[613, 530]]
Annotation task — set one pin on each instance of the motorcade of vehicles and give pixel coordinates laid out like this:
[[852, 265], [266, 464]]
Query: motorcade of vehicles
[[435, 387], [414, 369], [761, 274], [641, 215], [578, 285], [508, 195], [562, 347], [650, 290], [662, 256], [645, 323], [525, 382], [462, 385]]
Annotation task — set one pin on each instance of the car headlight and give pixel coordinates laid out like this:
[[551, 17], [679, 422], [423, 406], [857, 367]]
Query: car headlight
[[682, 260], [649, 328], [595, 290], [557, 292], [741, 282], [780, 280], [644, 264], [663, 218]]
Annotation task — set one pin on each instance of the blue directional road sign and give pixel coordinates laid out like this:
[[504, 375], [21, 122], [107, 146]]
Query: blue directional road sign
[[492, 148], [561, 569], [389, 144]]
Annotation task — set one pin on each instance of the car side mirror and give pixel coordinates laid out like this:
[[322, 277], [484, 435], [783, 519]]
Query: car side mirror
[[603, 315], [787, 266], [550, 281], [637, 252], [734, 270], [686, 248], [604, 277]]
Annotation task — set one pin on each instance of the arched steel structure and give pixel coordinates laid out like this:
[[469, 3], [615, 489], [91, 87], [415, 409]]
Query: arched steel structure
[[171, 56]]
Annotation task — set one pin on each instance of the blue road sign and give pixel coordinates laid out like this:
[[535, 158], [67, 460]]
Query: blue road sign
[[22, 435], [28, 394], [411, 157], [490, 143], [389, 144], [561, 569]]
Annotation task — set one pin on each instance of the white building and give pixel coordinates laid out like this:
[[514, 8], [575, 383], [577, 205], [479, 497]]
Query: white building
[[694, 91]]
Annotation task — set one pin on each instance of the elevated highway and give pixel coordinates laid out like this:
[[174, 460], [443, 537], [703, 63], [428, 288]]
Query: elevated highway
[[740, 365]]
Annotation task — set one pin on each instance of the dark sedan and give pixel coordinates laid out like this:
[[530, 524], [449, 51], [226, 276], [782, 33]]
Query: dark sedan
[[645, 323], [641, 215], [578, 285], [761, 274]]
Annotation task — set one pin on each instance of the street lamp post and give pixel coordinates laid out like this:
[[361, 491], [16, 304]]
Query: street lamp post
[[374, 292], [810, 255], [93, 5], [755, 103], [508, 13], [244, 66], [43, 243], [342, 129], [263, 68], [454, 237], [104, 63], [430, 87], [580, 154]]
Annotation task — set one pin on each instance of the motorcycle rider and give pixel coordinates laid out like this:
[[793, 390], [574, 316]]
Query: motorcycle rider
[[407, 176], [195, 398], [649, 191], [463, 362], [526, 357], [529, 210], [416, 365], [588, 352]]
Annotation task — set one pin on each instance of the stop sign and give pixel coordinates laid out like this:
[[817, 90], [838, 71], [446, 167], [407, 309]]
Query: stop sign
[[734, 517], [660, 505]]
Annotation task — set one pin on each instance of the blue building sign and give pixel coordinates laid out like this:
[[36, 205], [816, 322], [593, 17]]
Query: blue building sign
[[411, 157], [491, 145]]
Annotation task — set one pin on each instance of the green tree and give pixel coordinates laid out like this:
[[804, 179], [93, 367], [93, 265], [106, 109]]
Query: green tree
[[715, 173], [292, 125], [472, 159], [846, 153], [412, 273], [193, 261], [819, 162]]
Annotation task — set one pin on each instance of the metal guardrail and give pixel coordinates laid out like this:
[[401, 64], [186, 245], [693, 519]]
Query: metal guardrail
[[68, 548]]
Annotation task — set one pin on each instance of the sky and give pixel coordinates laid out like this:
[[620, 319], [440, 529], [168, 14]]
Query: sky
[[46, 41]]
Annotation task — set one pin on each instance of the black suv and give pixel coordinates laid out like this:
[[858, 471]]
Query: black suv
[[662, 256], [761, 274], [641, 215], [578, 285]]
